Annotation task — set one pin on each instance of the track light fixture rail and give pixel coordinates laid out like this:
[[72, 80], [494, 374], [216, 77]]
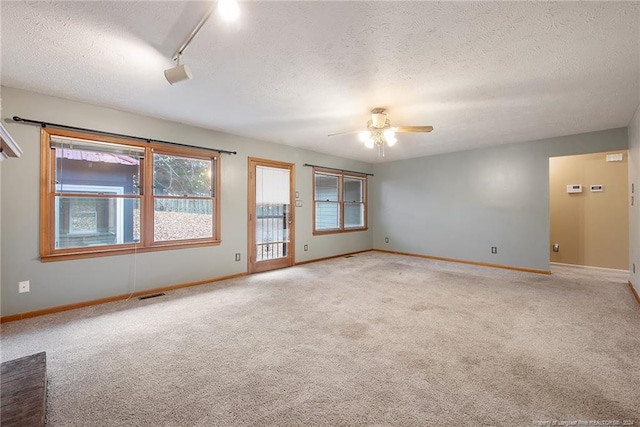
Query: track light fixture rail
[[185, 44], [228, 9]]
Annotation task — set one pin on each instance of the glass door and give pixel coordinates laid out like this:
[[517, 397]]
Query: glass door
[[271, 225]]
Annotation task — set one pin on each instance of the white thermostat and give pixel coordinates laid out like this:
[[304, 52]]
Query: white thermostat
[[596, 188], [574, 188]]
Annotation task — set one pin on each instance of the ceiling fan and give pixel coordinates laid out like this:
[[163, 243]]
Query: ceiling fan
[[379, 131]]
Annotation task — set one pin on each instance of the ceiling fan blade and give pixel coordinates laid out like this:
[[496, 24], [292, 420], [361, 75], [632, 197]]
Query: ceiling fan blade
[[345, 133], [413, 128]]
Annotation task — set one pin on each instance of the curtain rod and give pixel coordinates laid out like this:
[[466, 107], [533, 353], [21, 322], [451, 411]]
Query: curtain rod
[[335, 169], [119, 135]]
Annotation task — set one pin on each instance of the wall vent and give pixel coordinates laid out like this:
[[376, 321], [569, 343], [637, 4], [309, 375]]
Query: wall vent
[[152, 296], [617, 157]]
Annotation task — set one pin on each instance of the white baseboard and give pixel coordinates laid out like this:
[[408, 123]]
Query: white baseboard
[[589, 267]]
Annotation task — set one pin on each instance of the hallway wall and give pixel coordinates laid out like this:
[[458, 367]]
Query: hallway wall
[[591, 228]]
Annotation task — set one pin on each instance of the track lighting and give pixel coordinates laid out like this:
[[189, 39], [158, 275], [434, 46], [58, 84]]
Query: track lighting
[[229, 11], [178, 73]]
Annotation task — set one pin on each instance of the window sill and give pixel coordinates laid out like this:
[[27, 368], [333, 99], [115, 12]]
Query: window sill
[[71, 255], [349, 230]]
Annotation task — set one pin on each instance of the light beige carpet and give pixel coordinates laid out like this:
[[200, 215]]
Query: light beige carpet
[[375, 339]]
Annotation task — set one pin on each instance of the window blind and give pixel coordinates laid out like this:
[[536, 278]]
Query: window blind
[[63, 142]]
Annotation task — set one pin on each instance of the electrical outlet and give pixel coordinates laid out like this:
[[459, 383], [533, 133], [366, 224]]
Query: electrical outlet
[[23, 286], [386, 240], [238, 257], [494, 249], [306, 247], [634, 268]]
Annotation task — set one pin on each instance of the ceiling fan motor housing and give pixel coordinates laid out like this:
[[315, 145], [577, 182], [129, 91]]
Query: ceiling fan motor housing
[[379, 119]]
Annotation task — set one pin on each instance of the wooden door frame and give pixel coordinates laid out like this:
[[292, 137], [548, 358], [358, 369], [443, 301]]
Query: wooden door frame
[[251, 206]]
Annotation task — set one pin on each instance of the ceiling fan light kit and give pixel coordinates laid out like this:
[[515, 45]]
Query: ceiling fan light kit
[[378, 139], [380, 133], [364, 136], [389, 134]]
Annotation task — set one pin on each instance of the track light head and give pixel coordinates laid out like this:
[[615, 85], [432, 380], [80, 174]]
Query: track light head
[[229, 10], [178, 74]]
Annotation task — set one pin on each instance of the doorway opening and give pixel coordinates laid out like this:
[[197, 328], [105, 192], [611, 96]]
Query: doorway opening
[[589, 216]]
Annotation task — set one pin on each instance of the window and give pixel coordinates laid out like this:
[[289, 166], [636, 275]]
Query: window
[[340, 202], [103, 195], [182, 198]]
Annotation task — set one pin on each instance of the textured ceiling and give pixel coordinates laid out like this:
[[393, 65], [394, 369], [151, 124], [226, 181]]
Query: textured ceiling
[[293, 72]]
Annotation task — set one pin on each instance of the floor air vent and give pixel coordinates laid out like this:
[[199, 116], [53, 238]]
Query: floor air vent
[[151, 296]]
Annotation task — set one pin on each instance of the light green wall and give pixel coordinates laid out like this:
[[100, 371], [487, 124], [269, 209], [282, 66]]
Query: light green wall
[[459, 205], [634, 211], [66, 282]]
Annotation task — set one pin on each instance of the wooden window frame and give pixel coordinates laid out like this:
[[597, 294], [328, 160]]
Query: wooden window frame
[[48, 193], [341, 202]]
